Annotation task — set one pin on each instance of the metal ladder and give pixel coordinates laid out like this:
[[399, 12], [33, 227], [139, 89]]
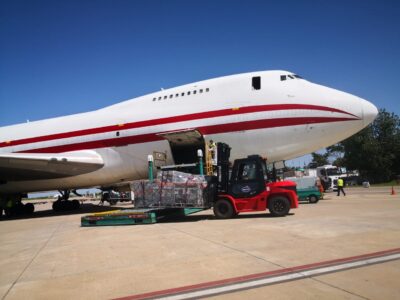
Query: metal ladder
[[209, 165]]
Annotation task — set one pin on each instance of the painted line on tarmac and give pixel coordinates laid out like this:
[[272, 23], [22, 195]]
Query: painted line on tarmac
[[268, 278]]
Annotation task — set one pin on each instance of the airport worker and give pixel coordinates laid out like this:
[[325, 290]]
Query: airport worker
[[9, 207], [340, 184], [213, 150], [2, 205]]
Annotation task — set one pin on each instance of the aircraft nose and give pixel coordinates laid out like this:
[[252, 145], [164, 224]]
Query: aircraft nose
[[369, 112]]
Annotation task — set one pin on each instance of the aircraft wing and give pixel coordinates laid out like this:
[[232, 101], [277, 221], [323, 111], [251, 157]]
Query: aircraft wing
[[35, 166]]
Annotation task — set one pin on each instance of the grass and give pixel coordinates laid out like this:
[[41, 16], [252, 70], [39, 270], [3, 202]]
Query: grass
[[390, 183]]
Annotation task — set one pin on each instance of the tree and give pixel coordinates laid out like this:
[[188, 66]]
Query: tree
[[336, 152], [375, 150], [318, 160]]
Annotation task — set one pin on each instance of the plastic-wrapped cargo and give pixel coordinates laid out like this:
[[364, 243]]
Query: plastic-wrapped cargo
[[138, 190], [173, 189]]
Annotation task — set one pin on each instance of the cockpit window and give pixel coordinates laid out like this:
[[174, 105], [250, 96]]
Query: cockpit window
[[290, 76], [256, 82]]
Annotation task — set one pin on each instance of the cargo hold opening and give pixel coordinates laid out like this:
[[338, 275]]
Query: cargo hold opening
[[184, 145]]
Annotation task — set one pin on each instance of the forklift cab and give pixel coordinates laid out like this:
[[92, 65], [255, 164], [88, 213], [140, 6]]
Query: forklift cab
[[248, 177], [246, 189]]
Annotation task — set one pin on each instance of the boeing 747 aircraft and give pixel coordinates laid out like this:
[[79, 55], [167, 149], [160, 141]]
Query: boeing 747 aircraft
[[276, 114]]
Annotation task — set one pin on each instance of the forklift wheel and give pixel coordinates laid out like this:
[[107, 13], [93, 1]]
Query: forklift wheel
[[279, 206], [223, 209]]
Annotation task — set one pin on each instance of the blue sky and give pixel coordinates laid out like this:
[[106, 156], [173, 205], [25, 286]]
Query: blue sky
[[65, 57]]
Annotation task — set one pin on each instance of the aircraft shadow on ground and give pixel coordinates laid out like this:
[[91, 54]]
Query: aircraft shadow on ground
[[211, 217], [89, 208], [86, 208]]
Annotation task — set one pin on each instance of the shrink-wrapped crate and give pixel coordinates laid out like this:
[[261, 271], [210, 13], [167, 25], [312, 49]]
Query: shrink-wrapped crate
[[167, 196], [173, 177], [152, 191], [147, 194], [137, 189], [172, 189]]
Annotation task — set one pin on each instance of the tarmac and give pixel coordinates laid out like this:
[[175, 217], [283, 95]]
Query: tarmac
[[340, 248]]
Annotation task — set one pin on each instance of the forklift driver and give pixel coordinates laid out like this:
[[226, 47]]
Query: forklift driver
[[248, 172]]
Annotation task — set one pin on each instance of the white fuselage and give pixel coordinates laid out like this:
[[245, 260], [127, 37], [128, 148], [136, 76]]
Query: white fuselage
[[280, 121]]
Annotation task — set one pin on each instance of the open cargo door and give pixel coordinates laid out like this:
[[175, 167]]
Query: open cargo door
[[184, 145]]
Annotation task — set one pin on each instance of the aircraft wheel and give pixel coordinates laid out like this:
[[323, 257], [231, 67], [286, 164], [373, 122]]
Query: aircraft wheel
[[68, 205], [57, 205], [19, 209], [313, 199], [223, 209], [75, 204], [279, 206], [29, 208]]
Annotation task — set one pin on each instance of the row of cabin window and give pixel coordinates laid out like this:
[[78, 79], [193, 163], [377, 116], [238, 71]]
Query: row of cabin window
[[182, 94]]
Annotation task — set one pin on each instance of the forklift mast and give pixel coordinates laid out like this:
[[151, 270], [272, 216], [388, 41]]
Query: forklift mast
[[224, 152]]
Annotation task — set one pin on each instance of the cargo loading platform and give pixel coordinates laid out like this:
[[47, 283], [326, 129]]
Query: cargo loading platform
[[136, 216]]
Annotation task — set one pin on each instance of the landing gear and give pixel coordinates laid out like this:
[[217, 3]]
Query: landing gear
[[63, 204], [29, 208], [13, 206], [107, 196]]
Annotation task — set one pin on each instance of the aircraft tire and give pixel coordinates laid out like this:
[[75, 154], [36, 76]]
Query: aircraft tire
[[19, 209], [29, 208], [75, 204], [57, 206], [279, 206]]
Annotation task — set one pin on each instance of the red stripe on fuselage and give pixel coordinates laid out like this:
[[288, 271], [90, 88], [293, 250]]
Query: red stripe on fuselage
[[213, 129], [168, 120]]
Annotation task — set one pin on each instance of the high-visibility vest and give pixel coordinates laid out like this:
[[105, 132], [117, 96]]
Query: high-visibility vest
[[340, 182]]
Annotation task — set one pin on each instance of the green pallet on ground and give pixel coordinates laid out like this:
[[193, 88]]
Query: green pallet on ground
[[135, 216]]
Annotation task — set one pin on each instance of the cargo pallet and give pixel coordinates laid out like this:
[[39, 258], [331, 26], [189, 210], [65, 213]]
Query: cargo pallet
[[136, 216]]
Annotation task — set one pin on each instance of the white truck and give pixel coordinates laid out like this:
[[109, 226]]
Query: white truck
[[329, 175]]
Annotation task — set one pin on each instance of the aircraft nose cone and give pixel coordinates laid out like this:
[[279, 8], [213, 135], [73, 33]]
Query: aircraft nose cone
[[369, 112]]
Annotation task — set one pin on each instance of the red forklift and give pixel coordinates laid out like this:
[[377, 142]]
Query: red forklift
[[247, 188]]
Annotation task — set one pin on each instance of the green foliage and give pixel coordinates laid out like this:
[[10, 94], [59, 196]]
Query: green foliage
[[318, 160], [375, 150], [339, 162]]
